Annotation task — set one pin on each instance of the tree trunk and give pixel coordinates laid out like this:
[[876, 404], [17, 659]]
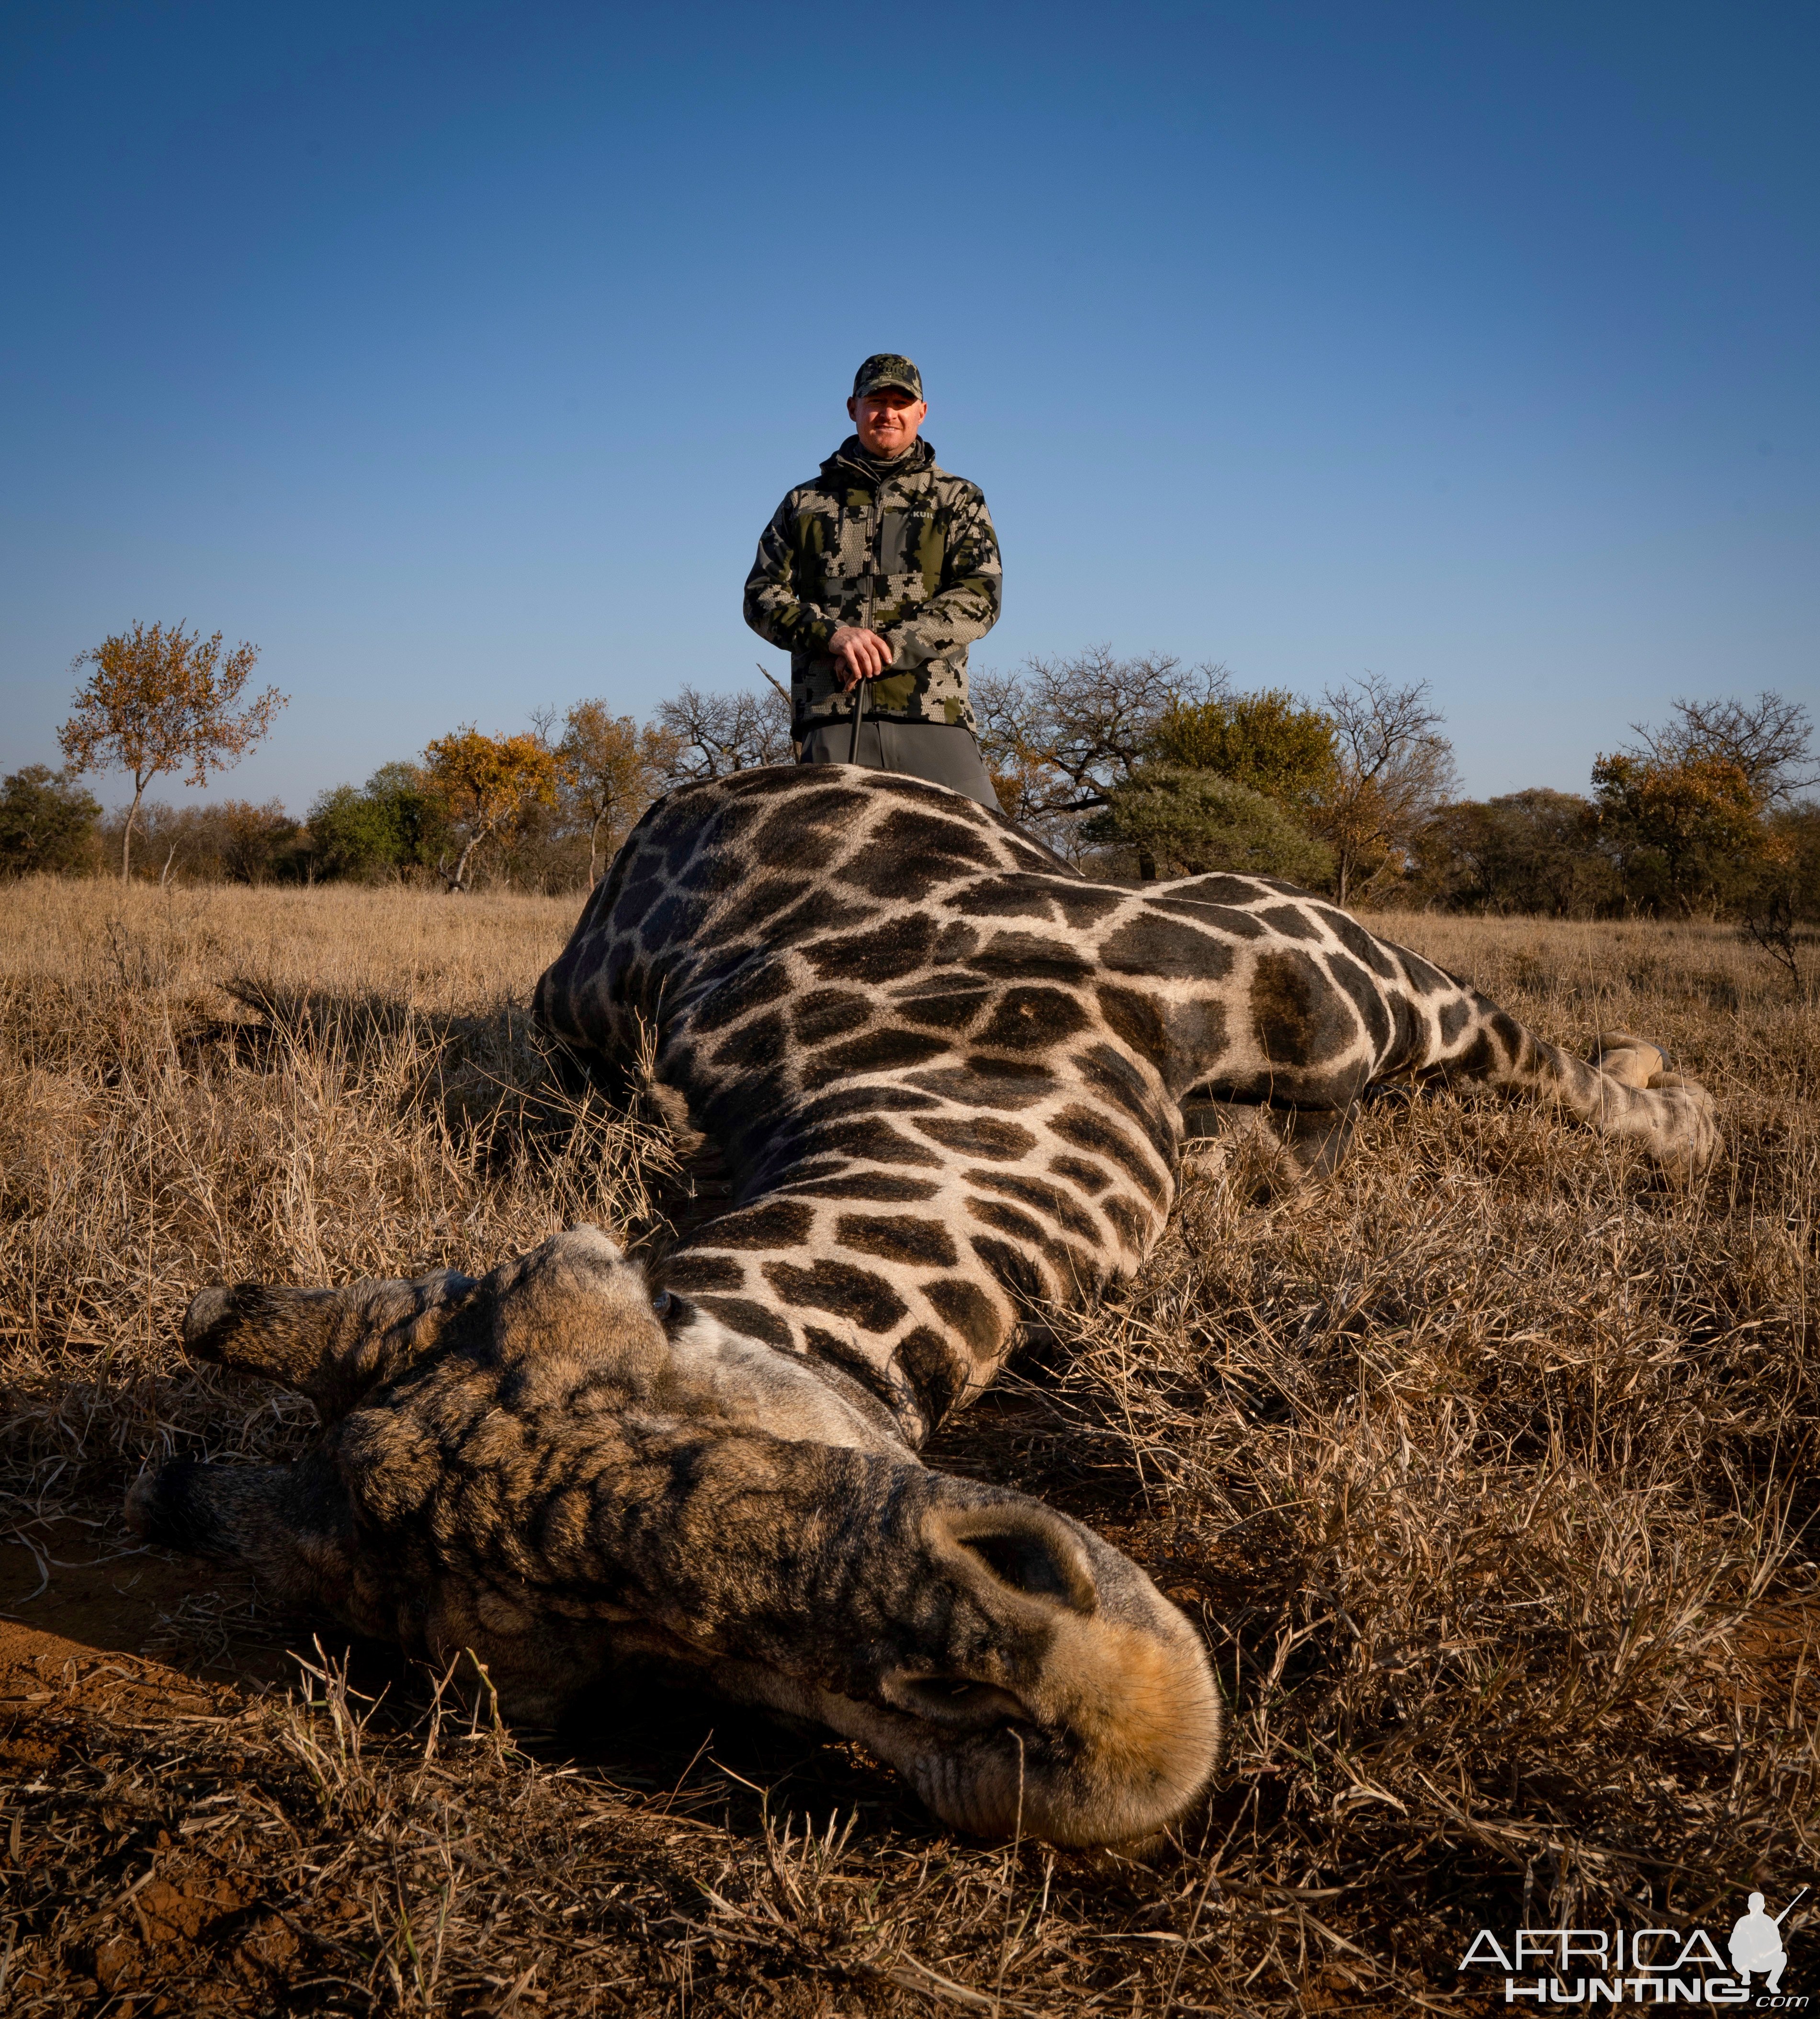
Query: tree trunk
[[457, 883], [1145, 867], [139, 786], [593, 849]]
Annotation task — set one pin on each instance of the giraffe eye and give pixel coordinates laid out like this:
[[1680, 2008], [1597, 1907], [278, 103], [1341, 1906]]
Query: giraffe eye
[[660, 1302]]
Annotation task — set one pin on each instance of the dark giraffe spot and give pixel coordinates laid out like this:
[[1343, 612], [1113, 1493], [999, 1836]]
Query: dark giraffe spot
[[1086, 904], [878, 1051], [1033, 1019], [1027, 957], [952, 1011], [1134, 1225], [769, 781], [977, 1136], [634, 902], [1165, 949], [1180, 1039], [1005, 1084], [755, 1321], [865, 1100], [1220, 918], [821, 910], [760, 1043], [749, 987], [856, 1294], [1004, 897], [852, 1361], [1214, 890], [934, 1369], [1291, 922], [1077, 1171], [689, 1270], [1517, 1041], [1425, 980], [743, 917], [1072, 1270], [964, 1307], [1116, 1076], [1050, 1200], [1134, 1019], [871, 1140], [954, 945], [677, 917], [899, 1238], [1089, 1130], [1480, 1059], [1301, 1020], [775, 1223], [887, 953], [780, 842], [912, 852], [1365, 998], [681, 851], [1015, 1272], [1454, 1017], [1357, 942], [880, 1186], [913, 831], [828, 1012]]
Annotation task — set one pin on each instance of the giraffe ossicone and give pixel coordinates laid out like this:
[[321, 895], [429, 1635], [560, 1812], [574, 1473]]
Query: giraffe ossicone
[[951, 1077]]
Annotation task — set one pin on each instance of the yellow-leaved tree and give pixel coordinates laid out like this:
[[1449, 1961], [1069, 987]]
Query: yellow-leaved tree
[[485, 785], [164, 700], [612, 769]]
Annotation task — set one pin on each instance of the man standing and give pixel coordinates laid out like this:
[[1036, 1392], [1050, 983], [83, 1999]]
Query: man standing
[[877, 575]]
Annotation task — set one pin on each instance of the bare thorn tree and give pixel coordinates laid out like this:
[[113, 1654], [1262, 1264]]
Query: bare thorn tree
[[1768, 739], [717, 734], [1063, 734], [1392, 769], [164, 700]]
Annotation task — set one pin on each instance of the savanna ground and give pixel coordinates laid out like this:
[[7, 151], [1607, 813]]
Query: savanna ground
[[1487, 1467]]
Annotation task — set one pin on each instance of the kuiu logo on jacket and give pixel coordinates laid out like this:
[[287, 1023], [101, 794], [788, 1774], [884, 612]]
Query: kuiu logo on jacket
[[906, 549], [1648, 1966]]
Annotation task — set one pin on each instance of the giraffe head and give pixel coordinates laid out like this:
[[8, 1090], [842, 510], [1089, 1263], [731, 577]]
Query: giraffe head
[[554, 1469]]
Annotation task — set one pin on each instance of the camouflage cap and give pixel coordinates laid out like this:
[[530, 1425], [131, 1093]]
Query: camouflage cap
[[886, 368]]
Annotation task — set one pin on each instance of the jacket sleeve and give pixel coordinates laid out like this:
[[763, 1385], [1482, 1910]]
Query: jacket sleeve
[[774, 607], [966, 606]]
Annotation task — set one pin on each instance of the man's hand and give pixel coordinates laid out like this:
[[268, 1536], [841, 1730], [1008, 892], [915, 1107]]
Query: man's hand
[[859, 655]]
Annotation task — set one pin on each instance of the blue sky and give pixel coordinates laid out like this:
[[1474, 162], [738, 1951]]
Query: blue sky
[[457, 354]]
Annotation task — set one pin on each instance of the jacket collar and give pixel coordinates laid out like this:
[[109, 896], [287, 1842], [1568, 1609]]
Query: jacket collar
[[850, 461]]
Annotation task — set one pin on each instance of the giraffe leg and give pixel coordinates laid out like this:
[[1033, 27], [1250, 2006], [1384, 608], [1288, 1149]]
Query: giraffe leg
[[1268, 1151], [1624, 1089]]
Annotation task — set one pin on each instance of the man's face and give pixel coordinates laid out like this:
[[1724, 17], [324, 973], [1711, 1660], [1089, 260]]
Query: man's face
[[886, 421]]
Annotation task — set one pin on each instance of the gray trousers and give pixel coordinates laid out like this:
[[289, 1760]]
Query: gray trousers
[[943, 753]]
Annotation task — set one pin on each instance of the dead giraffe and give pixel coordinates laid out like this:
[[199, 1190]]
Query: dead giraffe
[[950, 1078]]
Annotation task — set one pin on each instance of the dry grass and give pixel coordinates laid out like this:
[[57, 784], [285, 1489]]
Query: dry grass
[[1489, 1467]]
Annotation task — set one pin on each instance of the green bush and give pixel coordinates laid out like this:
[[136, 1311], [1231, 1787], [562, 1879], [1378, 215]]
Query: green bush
[[1187, 823], [47, 821]]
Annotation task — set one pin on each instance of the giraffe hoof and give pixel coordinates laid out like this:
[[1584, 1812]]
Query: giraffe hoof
[[1631, 1060]]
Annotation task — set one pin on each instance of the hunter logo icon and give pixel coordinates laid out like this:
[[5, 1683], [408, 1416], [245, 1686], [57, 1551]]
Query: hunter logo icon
[[1645, 1966], [1757, 1943]]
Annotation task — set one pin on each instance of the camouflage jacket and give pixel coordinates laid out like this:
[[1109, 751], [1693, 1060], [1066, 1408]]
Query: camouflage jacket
[[914, 558]]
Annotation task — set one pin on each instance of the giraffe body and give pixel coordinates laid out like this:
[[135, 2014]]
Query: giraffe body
[[952, 1080]]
